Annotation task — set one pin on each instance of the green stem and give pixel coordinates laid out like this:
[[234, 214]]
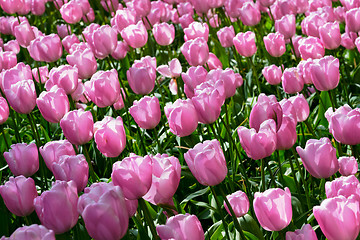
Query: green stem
[[15, 122], [263, 184], [157, 139], [141, 140], [220, 212], [93, 175], [3, 133], [332, 100], [271, 174], [255, 74], [281, 178], [294, 176], [148, 218]]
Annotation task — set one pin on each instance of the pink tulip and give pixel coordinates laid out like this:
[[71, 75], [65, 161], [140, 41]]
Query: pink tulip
[[182, 227], [56, 208], [21, 96], [77, 126], [12, 46], [24, 34], [134, 175], [286, 26], [306, 232], [63, 30], [33, 231], [12, 7], [7, 59], [330, 35], [304, 70], [273, 208], [292, 81], [14, 75], [164, 33], [325, 73], [352, 19], [239, 203], [83, 59], [22, 159], [65, 77], [195, 51], [46, 48], [174, 69], [338, 217], [301, 107], [275, 44], [195, 30], [182, 117], [44, 74], [70, 167], [259, 144], [226, 36], [286, 135], [89, 17], [52, 151], [311, 24], [233, 7], [104, 211], [71, 12], [141, 76], [272, 74], [166, 173], [104, 41], [194, 76], [214, 62], [146, 112], [311, 47], [141, 7], [186, 20], [131, 206], [119, 104], [4, 110], [348, 166], [121, 50], [348, 40], [319, 157], [343, 186], [245, 43], [343, 124], [110, 137], [135, 35], [250, 14], [69, 41], [19, 194]]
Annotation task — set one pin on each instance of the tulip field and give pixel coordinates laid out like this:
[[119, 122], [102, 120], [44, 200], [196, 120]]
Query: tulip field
[[179, 119]]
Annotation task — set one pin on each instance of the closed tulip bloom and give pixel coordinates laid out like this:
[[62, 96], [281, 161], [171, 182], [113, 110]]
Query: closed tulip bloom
[[63, 30], [348, 40], [310, 25], [207, 162], [69, 41], [77, 126], [181, 227], [319, 157], [135, 35], [275, 44], [104, 41], [311, 47], [73, 168], [185, 20], [194, 76], [273, 208], [166, 173], [110, 137], [65, 77], [306, 232], [21, 96], [250, 14], [22, 159], [12, 46], [352, 20], [24, 33], [53, 104], [119, 104], [348, 166], [14, 75], [343, 124], [142, 74], [207, 102], [57, 207], [301, 107], [286, 135], [146, 112], [182, 117], [103, 88], [232, 7], [239, 203], [12, 7], [173, 70], [104, 211], [195, 30], [44, 74], [338, 217], [330, 35], [227, 78], [52, 151], [343, 186], [122, 48], [19, 194], [33, 232], [195, 51], [325, 73], [46, 48], [141, 7], [8, 60], [245, 43], [4, 110], [71, 12], [286, 26], [226, 36], [214, 62], [259, 144], [292, 81], [272, 74], [164, 33], [304, 70], [134, 175], [84, 60]]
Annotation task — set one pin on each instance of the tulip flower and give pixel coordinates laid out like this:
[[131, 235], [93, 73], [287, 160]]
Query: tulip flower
[[104, 41], [174, 69], [65, 77], [352, 18], [134, 175], [71, 12], [4, 110], [348, 40], [23, 159], [311, 47], [348, 166], [338, 217], [135, 35], [306, 232], [195, 30], [249, 14], [8, 60], [110, 136], [343, 186], [69, 41], [207, 162], [46, 48], [21, 96], [330, 35], [104, 211], [304, 70], [245, 43], [146, 112], [239, 203], [286, 135], [272, 74], [273, 208], [141, 7], [24, 34], [141, 76], [325, 73], [214, 62], [275, 44], [286, 26], [319, 157], [44, 74], [226, 79], [166, 173], [292, 81], [164, 33], [19, 194], [301, 107], [226, 36], [52, 151], [57, 207], [83, 59], [195, 51], [181, 227], [121, 50], [33, 231]]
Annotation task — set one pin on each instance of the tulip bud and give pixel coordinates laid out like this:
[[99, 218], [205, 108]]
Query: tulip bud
[[52, 151], [245, 43], [330, 35], [306, 232], [272, 74], [24, 34], [33, 231], [23, 159], [292, 81], [301, 107], [84, 60], [352, 19], [239, 203], [286, 135], [195, 51], [104, 41], [325, 73], [275, 44], [65, 77], [164, 33], [226, 36], [46, 48], [348, 166], [250, 14], [71, 12], [135, 35], [146, 112], [286, 26], [141, 76]]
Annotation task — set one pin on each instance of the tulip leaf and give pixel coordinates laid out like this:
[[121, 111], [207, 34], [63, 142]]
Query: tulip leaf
[[194, 195], [248, 224], [290, 183], [325, 103]]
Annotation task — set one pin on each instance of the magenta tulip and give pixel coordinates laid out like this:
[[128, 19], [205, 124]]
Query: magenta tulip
[[352, 20], [286, 135], [122, 48], [164, 33], [69, 41], [52, 151], [141, 76], [23, 159], [195, 51], [194, 76], [146, 112], [245, 43], [272, 74], [348, 166], [239, 203], [275, 44], [174, 69]]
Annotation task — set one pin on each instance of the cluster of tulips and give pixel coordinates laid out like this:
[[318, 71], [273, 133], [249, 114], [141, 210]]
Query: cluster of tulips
[[179, 119]]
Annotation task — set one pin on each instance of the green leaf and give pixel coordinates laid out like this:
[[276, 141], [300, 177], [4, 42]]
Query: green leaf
[[248, 224], [194, 195]]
